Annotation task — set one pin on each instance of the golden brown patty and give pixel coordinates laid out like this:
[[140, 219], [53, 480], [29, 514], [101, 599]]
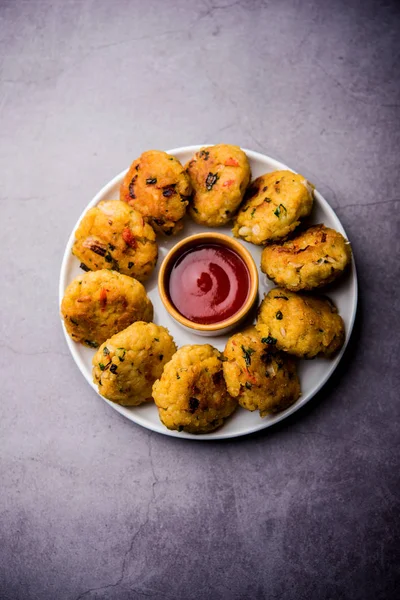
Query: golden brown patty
[[260, 379], [112, 235], [191, 394], [100, 303], [310, 260], [219, 175], [126, 366], [300, 324], [273, 207], [159, 188]]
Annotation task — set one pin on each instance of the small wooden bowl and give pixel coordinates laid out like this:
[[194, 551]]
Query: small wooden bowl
[[165, 269]]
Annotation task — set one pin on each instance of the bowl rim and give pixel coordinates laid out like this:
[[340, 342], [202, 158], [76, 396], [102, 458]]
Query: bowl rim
[[234, 245]]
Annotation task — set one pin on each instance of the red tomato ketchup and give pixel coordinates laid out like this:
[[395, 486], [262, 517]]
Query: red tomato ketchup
[[209, 283]]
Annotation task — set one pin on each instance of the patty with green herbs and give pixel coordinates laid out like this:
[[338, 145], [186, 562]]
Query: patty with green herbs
[[191, 393], [126, 365], [300, 324], [310, 260], [158, 186], [258, 376], [273, 207], [219, 176]]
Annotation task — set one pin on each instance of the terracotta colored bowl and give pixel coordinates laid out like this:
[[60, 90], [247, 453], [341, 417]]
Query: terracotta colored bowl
[[213, 328]]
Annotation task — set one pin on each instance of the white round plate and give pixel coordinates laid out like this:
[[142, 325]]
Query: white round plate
[[313, 373]]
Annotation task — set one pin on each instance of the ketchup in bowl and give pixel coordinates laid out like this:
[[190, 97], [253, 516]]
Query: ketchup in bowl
[[208, 283]]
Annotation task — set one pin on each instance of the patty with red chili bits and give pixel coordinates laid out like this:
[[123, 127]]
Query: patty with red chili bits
[[219, 175], [158, 187], [98, 304], [112, 235]]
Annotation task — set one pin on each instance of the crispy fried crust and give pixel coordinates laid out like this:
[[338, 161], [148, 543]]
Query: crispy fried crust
[[311, 260], [159, 188], [112, 235], [259, 378], [98, 304], [273, 207], [219, 175], [191, 394], [126, 365], [300, 324]]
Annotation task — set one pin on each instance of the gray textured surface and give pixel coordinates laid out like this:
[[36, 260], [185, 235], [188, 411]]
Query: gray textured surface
[[93, 506]]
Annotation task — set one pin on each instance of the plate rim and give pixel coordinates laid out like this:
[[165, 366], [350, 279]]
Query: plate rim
[[218, 434]]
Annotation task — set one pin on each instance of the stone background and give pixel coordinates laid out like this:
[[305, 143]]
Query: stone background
[[93, 506]]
